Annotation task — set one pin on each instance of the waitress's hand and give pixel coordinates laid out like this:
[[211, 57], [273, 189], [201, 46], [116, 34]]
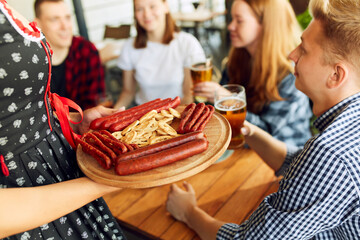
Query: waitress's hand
[[207, 89], [180, 203], [90, 115]]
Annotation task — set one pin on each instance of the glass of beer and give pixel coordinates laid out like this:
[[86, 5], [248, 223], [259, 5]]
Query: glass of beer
[[230, 101], [105, 100], [201, 71]]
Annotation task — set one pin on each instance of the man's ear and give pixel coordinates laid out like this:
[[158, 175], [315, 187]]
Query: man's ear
[[339, 76]]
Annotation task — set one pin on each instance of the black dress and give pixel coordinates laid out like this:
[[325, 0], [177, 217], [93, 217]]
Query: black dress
[[31, 142]]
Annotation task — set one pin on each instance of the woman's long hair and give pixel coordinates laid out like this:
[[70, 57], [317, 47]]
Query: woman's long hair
[[170, 28], [261, 74]]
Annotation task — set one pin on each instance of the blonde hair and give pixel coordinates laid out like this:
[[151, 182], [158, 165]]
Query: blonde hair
[[341, 24], [170, 28], [261, 74]]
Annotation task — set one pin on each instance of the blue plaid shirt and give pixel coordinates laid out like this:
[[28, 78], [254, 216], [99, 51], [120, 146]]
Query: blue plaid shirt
[[318, 197]]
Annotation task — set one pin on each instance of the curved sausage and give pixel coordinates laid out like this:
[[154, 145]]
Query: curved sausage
[[161, 158], [100, 157], [207, 119], [92, 139], [120, 124], [203, 116], [95, 124], [194, 116], [108, 122], [185, 115], [160, 146], [115, 145]]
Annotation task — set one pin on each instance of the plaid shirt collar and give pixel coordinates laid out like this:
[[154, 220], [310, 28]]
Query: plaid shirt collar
[[322, 122]]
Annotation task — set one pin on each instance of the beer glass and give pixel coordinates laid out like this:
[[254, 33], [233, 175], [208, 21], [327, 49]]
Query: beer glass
[[201, 71], [230, 101], [105, 100]]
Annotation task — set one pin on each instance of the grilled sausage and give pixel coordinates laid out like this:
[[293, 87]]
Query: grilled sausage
[[160, 146], [161, 158]]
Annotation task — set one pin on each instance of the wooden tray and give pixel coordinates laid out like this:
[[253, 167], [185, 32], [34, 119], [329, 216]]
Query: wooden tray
[[218, 133]]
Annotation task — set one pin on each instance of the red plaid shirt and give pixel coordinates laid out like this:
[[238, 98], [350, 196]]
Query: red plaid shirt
[[84, 74]]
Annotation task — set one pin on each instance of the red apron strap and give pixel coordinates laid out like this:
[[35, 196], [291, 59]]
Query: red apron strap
[[4, 168], [61, 107]]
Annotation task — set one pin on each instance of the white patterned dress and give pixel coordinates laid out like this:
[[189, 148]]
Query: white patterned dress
[[32, 145]]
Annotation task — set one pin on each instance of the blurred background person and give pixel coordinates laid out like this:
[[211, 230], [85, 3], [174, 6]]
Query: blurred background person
[[156, 63], [77, 72], [262, 35]]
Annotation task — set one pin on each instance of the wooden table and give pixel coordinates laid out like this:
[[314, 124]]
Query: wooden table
[[197, 17], [229, 190]]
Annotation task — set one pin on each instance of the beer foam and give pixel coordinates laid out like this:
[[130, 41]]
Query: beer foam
[[201, 67], [231, 103]]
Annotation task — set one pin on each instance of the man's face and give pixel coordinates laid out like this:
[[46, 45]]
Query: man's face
[[55, 22], [311, 72]]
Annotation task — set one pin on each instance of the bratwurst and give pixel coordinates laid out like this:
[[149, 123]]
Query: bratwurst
[[161, 158], [160, 146]]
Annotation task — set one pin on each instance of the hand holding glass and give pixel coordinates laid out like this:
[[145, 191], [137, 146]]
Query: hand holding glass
[[201, 71], [230, 101]]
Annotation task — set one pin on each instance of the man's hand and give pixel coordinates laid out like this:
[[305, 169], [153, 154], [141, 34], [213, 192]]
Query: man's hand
[[180, 202]]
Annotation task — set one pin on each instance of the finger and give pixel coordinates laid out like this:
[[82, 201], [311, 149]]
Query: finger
[[199, 84], [204, 94], [245, 131], [189, 187], [120, 109], [175, 188], [201, 87], [104, 111]]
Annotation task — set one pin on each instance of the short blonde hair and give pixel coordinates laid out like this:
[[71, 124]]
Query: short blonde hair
[[341, 23]]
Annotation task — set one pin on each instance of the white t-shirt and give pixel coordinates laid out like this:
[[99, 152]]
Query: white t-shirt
[[159, 68]]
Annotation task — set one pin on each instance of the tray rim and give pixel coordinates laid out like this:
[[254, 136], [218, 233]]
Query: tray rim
[[160, 176]]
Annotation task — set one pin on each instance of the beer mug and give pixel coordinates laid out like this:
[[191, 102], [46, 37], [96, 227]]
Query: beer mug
[[230, 101], [201, 71]]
